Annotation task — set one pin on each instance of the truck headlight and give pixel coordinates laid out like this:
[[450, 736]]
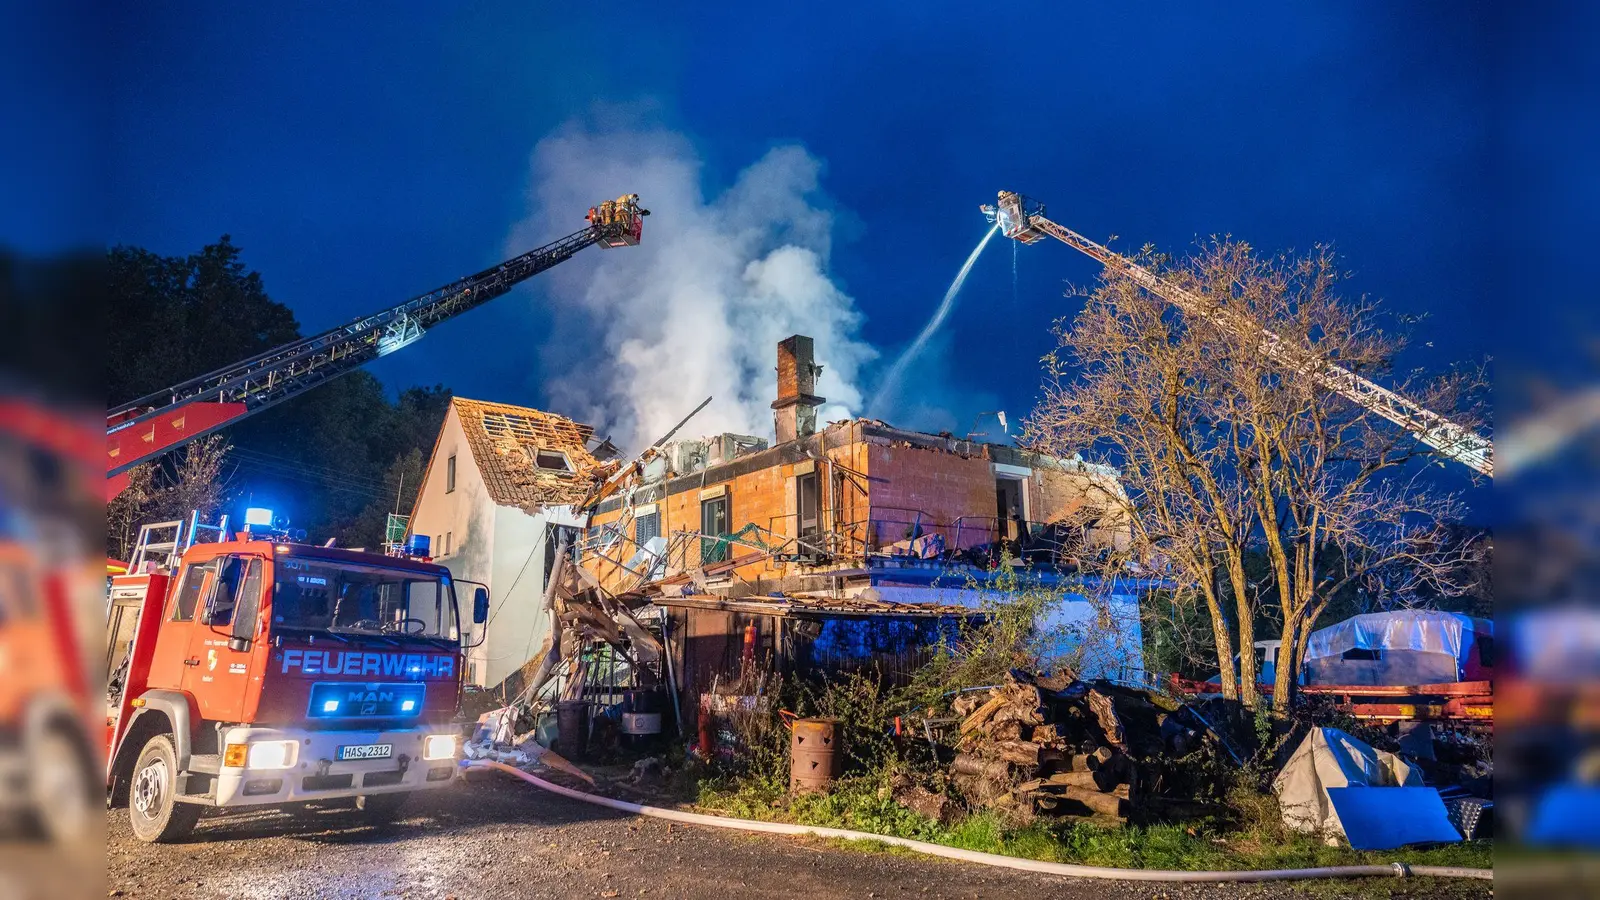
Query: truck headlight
[[272, 754], [439, 746]]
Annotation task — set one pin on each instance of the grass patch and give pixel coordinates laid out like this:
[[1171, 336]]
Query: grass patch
[[863, 804]]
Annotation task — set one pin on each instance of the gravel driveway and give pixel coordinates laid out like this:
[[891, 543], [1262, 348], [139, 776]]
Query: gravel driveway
[[494, 837]]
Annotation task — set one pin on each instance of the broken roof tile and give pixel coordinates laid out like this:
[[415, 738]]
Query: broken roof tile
[[506, 443]]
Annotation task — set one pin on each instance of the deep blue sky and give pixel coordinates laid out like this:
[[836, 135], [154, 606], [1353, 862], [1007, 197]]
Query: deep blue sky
[[361, 156]]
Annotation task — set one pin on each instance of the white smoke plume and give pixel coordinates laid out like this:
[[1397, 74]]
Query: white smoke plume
[[697, 309]]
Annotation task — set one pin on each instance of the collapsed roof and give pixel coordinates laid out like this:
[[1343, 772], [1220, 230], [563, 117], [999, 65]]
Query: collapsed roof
[[530, 458]]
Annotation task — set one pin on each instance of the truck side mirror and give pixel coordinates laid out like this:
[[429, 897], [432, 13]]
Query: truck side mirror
[[241, 630], [480, 606]]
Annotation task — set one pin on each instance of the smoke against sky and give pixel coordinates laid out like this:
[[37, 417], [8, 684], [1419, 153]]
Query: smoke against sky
[[698, 308]]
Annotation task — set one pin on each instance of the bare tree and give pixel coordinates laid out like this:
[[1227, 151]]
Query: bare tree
[[1227, 453], [166, 489]]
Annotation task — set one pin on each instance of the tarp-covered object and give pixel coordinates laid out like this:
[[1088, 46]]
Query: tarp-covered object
[[1406, 646], [1329, 758]]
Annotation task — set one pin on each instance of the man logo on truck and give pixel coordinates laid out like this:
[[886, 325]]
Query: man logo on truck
[[370, 697], [355, 662]]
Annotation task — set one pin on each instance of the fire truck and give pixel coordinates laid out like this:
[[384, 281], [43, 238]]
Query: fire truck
[[252, 670]]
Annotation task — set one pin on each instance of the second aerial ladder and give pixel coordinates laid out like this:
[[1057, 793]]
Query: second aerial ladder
[[1022, 219]]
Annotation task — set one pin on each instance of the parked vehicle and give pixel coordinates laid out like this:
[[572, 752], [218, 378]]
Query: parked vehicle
[[254, 670]]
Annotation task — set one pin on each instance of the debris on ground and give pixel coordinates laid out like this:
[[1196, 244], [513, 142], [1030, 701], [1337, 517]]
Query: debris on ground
[[523, 754], [1057, 746], [647, 771]]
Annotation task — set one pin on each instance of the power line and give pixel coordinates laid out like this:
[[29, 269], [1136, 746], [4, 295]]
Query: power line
[[289, 473], [315, 468]]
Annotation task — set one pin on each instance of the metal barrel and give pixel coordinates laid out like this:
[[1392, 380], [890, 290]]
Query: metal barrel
[[572, 728], [816, 754]]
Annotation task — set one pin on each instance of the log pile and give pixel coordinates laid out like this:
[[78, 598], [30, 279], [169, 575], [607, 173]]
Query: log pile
[[1034, 746]]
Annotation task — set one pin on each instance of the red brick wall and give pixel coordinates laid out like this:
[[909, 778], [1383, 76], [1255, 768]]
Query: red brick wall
[[955, 496]]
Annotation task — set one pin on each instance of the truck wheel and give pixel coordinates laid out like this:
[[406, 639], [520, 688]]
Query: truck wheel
[[382, 807], [153, 809], [59, 787]]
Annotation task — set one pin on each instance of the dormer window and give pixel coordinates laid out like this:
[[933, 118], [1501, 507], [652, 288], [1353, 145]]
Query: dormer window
[[551, 460]]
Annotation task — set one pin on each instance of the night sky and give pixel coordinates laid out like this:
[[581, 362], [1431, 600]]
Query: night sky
[[360, 157]]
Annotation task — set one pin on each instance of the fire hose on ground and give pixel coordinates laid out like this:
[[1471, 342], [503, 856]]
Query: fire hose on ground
[[1390, 870]]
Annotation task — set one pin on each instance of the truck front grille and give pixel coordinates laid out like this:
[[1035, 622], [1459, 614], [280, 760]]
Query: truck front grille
[[326, 782]]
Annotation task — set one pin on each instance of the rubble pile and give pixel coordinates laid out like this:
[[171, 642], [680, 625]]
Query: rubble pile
[[1060, 747]]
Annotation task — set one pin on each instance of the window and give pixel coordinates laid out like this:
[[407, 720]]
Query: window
[[450, 474], [238, 587], [1362, 653], [646, 527], [808, 496], [552, 460], [333, 596], [194, 578], [713, 525], [248, 606], [449, 540], [1008, 509]]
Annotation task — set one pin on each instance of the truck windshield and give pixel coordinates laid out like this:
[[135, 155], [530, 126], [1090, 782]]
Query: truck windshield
[[349, 598]]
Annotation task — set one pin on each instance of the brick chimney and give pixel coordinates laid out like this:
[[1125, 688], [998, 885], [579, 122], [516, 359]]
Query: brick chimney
[[795, 413]]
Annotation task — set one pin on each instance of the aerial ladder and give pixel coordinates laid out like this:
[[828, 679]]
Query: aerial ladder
[[145, 428], [1022, 219]]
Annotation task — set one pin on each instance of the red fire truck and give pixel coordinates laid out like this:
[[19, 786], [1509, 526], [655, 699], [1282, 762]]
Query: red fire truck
[[254, 670]]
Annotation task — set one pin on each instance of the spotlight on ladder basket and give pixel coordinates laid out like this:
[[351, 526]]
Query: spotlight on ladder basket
[[258, 515]]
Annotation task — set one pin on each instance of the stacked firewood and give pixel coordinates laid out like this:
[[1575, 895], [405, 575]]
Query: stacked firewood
[[1039, 747]]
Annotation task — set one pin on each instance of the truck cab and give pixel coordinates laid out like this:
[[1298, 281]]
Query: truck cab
[[257, 671]]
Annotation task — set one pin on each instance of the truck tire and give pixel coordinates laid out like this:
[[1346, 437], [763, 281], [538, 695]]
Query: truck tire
[[60, 787], [382, 807], [153, 810]]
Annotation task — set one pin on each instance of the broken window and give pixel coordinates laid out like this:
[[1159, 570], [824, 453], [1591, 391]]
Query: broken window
[[808, 502], [450, 474], [646, 527], [553, 460], [1008, 509], [713, 527]]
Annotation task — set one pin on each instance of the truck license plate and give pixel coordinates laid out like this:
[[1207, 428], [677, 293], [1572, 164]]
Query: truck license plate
[[366, 751]]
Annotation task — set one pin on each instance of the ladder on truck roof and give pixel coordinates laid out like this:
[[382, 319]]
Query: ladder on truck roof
[[163, 543]]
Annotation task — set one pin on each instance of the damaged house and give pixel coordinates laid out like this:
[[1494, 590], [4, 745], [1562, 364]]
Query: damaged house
[[499, 490], [854, 542]]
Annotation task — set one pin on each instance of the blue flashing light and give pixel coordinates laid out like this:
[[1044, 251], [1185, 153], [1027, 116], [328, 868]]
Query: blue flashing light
[[418, 545], [258, 515], [363, 700]]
